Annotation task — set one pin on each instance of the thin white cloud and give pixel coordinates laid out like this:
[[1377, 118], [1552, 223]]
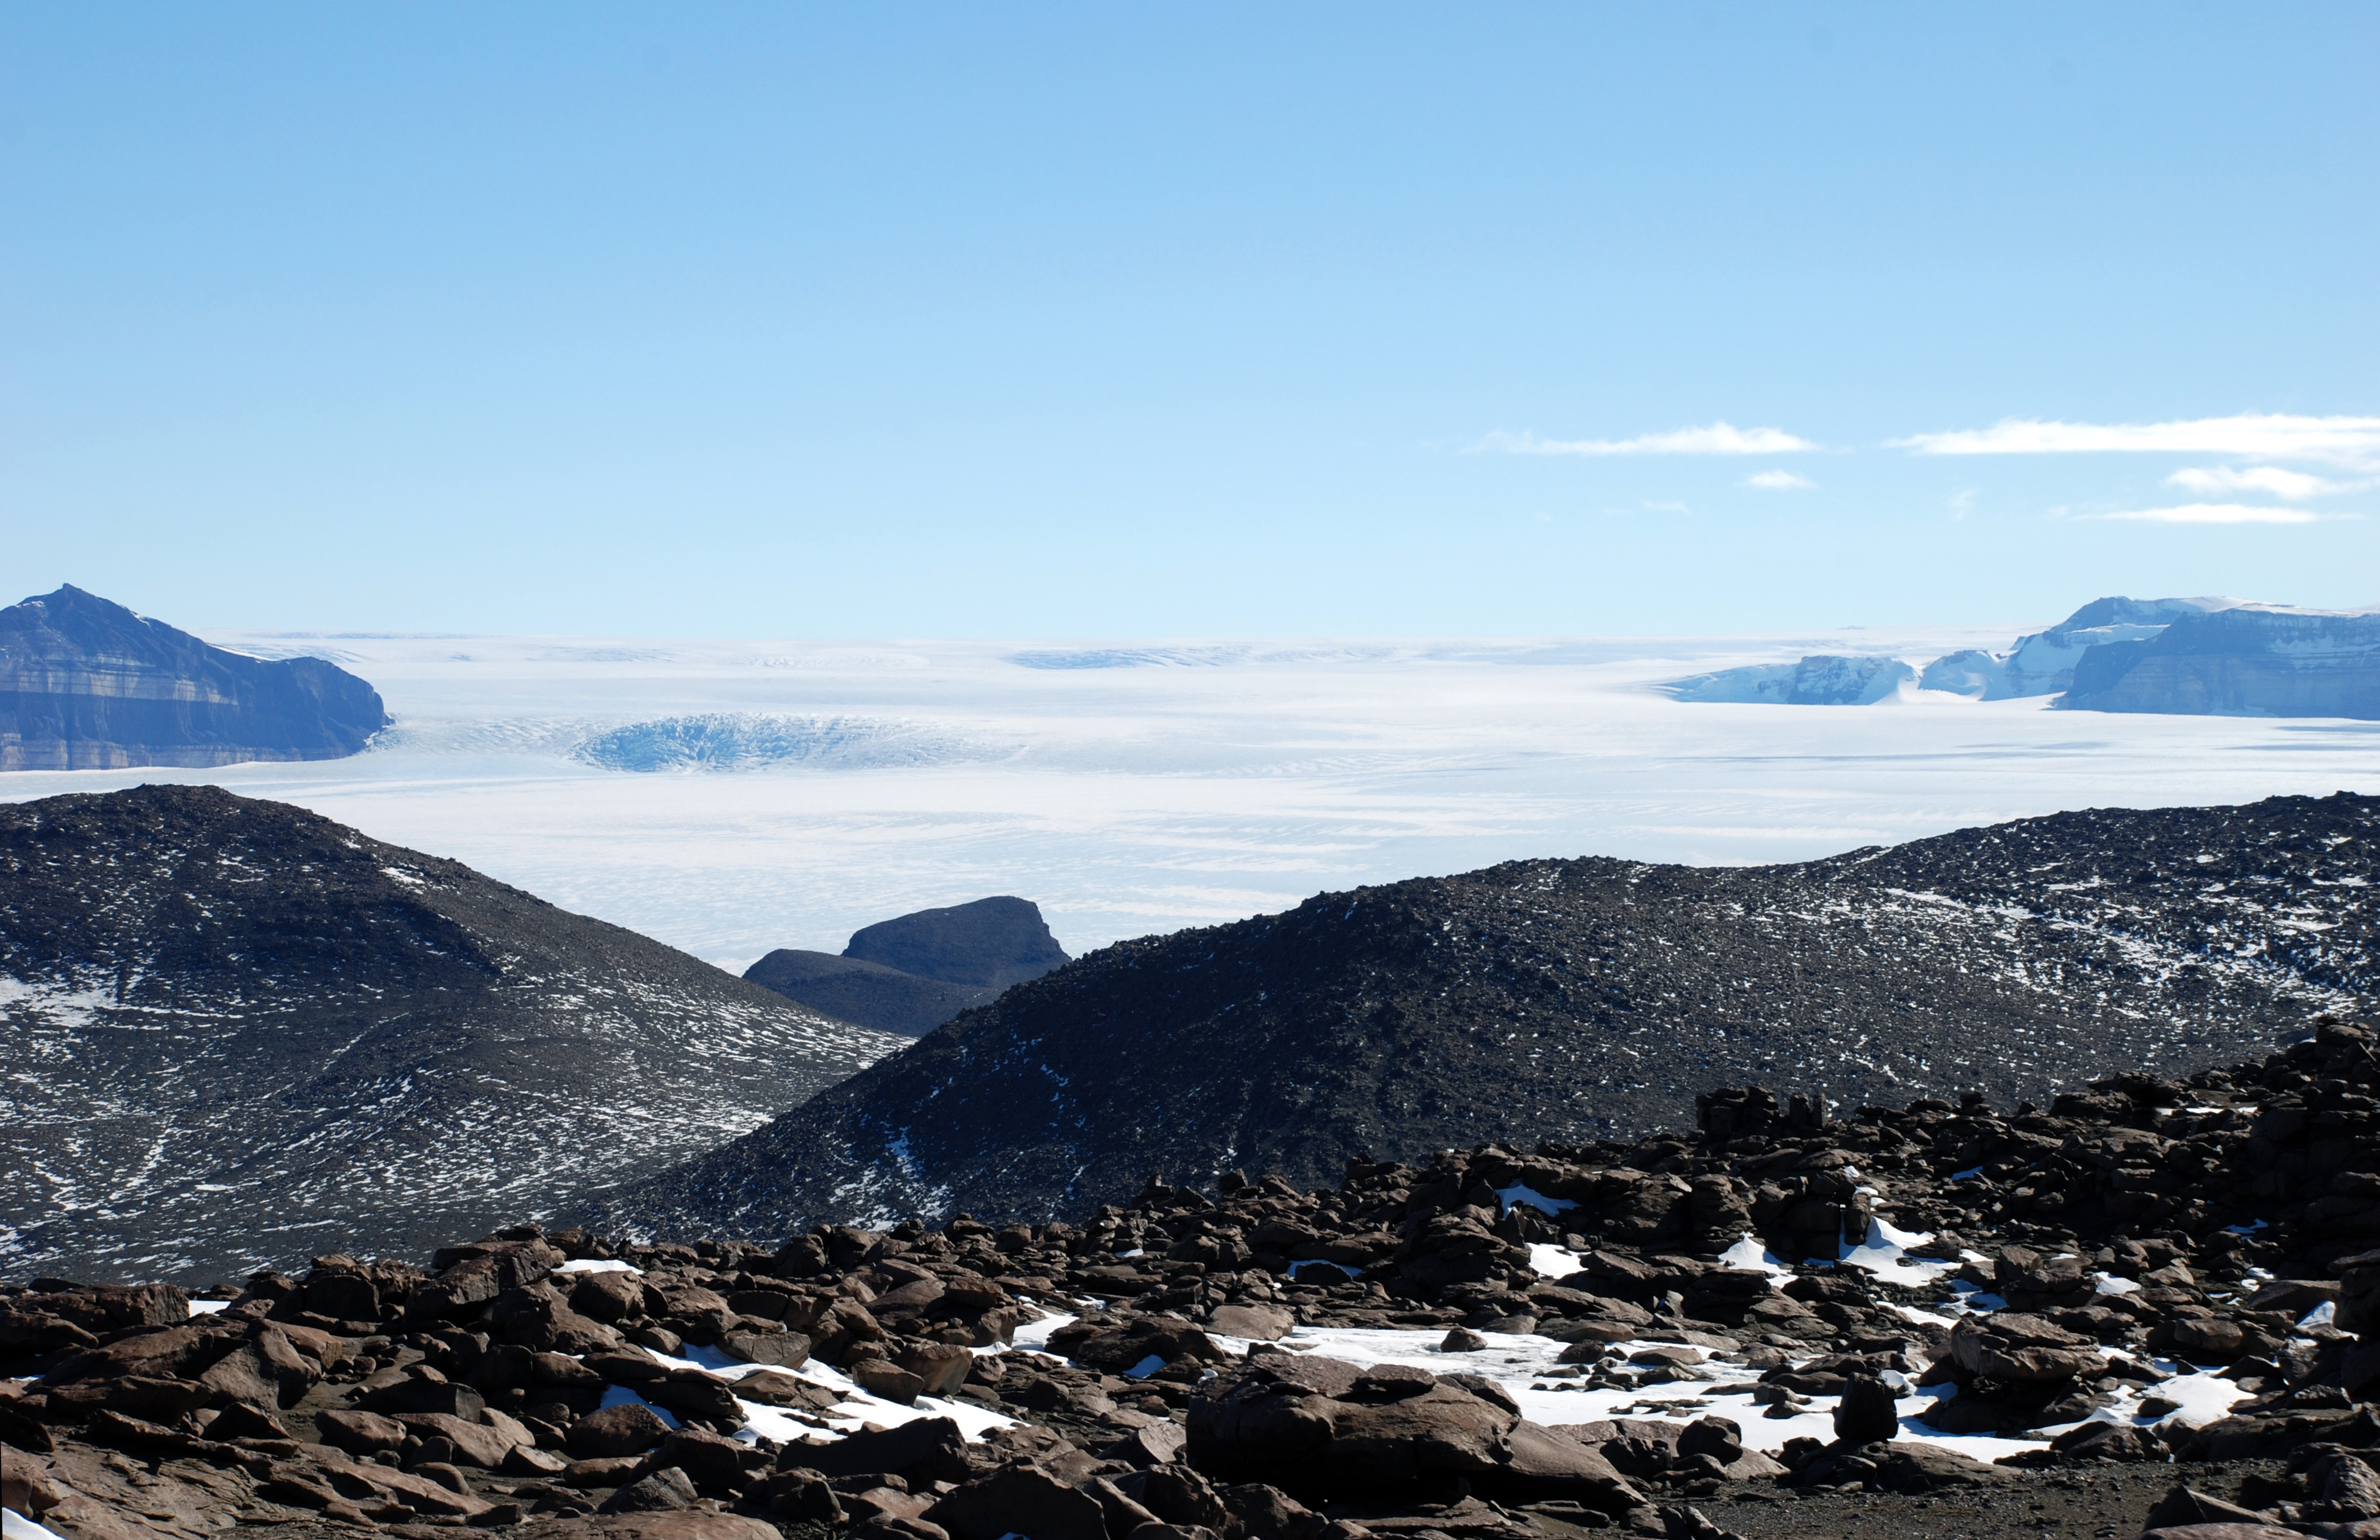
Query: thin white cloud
[[2215, 513], [2350, 441], [2294, 485], [1781, 481], [1719, 438]]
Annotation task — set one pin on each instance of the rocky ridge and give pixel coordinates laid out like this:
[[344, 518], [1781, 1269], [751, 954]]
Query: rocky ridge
[[88, 684], [243, 1034], [913, 972], [2154, 1286], [1577, 1000]]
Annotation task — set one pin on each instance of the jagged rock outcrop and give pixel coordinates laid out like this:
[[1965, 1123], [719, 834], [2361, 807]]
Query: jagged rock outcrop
[[88, 684], [1577, 999], [2249, 660], [912, 973], [242, 1033]]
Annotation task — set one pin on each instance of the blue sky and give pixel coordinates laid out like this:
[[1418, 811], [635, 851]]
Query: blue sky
[[1116, 320]]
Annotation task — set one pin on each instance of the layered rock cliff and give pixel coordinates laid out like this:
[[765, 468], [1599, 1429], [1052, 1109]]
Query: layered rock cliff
[[88, 685]]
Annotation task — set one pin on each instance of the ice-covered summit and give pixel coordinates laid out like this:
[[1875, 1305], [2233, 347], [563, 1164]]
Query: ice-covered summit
[[2042, 664]]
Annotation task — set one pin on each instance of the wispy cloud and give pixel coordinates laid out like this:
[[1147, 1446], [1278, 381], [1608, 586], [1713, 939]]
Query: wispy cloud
[[2294, 485], [2215, 513], [1719, 438], [2350, 441], [1781, 481]]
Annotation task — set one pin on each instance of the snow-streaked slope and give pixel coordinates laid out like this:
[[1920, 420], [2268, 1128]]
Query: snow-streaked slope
[[240, 1034], [1134, 787]]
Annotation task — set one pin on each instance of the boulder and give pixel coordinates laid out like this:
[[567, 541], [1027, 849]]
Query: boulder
[[787, 1349], [666, 1525], [2009, 1346], [665, 1489], [358, 1433], [477, 1444], [1019, 1498], [1866, 1414], [923, 1450], [615, 1431], [1256, 1323]]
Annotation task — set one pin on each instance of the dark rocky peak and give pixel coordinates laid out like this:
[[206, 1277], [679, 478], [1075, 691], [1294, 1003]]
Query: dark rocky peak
[[1577, 1000], [992, 943], [913, 973], [88, 685]]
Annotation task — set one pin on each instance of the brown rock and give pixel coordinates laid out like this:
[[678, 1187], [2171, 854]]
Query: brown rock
[[1019, 1499], [363, 1433], [882, 1378], [2010, 1346], [475, 1443], [1256, 1323], [607, 1297], [424, 1390], [618, 1430], [788, 1349], [922, 1451], [1544, 1464], [159, 1352], [941, 1367], [680, 1524]]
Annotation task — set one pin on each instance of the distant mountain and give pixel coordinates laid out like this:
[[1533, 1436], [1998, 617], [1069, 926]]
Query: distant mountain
[[992, 943], [88, 684], [2251, 660], [1823, 679], [912, 973], [242, 1035], [1580, 999], [868, 994], [2044, 663]]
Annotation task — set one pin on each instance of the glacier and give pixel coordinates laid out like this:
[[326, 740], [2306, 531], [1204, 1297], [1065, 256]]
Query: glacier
[[1198, 783]]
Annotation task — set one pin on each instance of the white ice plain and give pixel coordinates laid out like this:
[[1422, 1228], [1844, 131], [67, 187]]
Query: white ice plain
[[787, 792]]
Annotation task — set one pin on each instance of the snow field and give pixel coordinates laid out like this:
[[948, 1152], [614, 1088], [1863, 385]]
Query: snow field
[[1141, 788]]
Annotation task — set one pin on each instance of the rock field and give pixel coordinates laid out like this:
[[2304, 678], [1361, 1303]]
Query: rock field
[[2144, 1305]]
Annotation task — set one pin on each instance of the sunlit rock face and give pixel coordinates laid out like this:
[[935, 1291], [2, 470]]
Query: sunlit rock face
[[2254, 660], [88, 684], [2042, 664]]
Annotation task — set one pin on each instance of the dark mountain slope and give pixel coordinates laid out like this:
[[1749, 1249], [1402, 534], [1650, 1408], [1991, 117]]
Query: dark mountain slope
[[88, 684], [910, 974], [239, 1033], [1572, 999], [868, 993]]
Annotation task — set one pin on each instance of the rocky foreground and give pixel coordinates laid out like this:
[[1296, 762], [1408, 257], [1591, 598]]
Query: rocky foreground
[[2153, 1293]]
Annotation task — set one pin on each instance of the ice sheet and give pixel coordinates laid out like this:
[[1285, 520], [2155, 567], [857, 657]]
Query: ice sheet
[[1135, 788]]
